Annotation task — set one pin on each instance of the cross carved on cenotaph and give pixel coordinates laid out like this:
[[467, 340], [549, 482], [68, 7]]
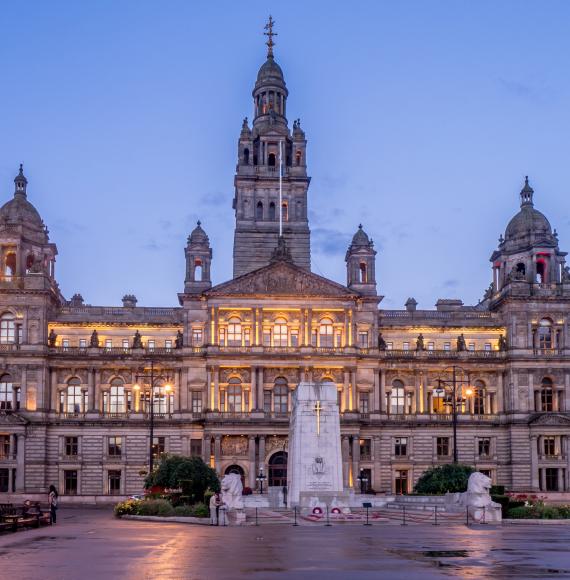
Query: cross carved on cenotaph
[[318, 410]]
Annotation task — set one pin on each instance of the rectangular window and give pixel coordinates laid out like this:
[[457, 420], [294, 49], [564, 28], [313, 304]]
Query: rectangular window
[[108, 343], [401, 481], [314, 338], [151, 344], [168, 344], [125, 343], [488, 346], [158, 446], [247, 337], [4, 446], [406, 346], [364, 402], [363, 339], [401, 446], [446, 346], [484, 447], [266, 338], [471, 346], [389, 345], [222, 337], [196, 402], [70, 482], [114, 479], [294, 338], [365, 449], [82, 343], [196, 337], [430, 346], [65, 343], [115, 446], [71, 446], [442, 446], [549, 446], [267, 401], [4, 480], [196, 447], [551, 477]]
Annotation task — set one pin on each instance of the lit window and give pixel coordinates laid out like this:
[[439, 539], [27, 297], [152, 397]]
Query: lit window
[[406, 346], [430, 346], [488, 346], [7, 329], [363, 339], [280, 332], [326, 332], [151, 344], [471, 346], [74, 403], [117, 397], [196, 337], [234, 332], [234, 396], [446, 346], [6, 393], [397, 398], [168, 344], [82, 343], [545, 334]]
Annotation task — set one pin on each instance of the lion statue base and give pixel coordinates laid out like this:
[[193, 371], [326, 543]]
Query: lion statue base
[[477, 500]]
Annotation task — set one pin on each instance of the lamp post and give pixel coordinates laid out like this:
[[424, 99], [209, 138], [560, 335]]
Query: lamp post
[[452, 385], [363, 481], [150, 378], [261, 478]]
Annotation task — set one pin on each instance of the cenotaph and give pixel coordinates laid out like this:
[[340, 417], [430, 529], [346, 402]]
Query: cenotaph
[[314, 465]]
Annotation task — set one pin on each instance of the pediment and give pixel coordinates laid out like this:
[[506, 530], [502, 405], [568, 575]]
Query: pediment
[[551, 419], [281, 278], [8, 418]]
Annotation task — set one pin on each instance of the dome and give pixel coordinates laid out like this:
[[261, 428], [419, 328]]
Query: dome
[[360, 238], [198, 235], [270, 73]]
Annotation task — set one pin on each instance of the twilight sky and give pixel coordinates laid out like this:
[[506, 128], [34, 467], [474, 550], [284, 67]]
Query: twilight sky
[[422, 118]]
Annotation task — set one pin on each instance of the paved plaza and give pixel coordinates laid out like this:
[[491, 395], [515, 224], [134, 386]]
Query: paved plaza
[[91, 543]]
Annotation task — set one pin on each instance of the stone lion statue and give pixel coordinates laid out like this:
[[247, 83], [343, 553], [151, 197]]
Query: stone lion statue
[[477, 499], [232, 489]]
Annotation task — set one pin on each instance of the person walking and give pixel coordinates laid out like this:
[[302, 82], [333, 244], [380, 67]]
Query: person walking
[[52, 500]]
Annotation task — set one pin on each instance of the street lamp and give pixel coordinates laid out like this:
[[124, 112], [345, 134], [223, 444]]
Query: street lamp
[[451, 386], [363, 481], [150, 378], [261, 478]]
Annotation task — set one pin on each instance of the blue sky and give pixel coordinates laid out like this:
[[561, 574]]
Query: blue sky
[[422, 120]]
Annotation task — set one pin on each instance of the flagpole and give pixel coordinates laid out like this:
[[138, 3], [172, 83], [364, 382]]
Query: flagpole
[[280, 189]]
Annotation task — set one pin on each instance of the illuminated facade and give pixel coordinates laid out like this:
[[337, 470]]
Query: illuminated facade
[[73, 413]]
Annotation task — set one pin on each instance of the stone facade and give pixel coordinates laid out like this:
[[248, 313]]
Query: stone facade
[[75, 384]]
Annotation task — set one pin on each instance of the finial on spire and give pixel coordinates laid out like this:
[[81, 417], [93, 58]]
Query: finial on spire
[[21, 182], [526, 193], [270, 34], [199, 223]]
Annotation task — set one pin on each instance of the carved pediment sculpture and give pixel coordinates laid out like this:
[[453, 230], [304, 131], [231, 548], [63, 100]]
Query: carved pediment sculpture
[[234, 445], [12, 418], [550, 419]]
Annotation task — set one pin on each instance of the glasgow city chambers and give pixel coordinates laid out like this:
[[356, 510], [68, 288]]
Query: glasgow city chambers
[[89, 394]]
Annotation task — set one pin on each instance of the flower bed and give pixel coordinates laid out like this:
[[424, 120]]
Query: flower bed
[[159, 507]]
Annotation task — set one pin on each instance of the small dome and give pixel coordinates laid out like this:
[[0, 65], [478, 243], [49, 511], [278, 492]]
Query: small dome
[[270, 73], [198, 235], [360, 238]]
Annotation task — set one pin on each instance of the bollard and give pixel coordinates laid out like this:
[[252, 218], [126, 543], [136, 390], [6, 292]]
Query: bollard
[[435, 516], [295, 514], [467, 517], [404, 516], [256, 521], [328, 520], [367, 522]]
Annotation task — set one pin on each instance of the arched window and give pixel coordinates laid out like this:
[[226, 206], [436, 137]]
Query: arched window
[[546, 395], [521, 269], [479, 398], [272, 211], [271, 160], [10, 264], [74, 399], [362, 268], [198, 270], [284, 211], [117, 396], [234, 396], [29, 262], [541, 271], [545, 334], [6, 393], [246, 156], [234, 331], [397, 398], [280, 332], [326, 332], [298, 158], [7, 329], [280, 396], [259, 211]]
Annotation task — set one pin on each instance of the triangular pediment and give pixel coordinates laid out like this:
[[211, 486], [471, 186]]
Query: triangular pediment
[[10, 418], [550, 419], [281, 278]]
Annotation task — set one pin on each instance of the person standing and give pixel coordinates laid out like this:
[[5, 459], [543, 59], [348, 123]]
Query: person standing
[[52, 500], [215, 503]]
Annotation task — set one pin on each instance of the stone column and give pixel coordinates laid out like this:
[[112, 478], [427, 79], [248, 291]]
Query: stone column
[[355, 461], [253, 389], [216, 371], [345, 459], [567, 462], [209, 400], [24, 389], [303, 328], [488, 410], [91, 390], [345, 397], [12, 446], [254, 339], [346, 327], [182, 377], [560, 474], [251, 457], [260, 387], [261, 461], [217, 452], [20, 461], [543, 479], [54, 395], [354, 405], [376, 403], [382, 405], [207, 449], [417, 395], [98, 399], [534, 462], [309, 327]]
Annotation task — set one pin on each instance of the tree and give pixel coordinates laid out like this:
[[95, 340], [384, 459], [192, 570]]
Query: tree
[[446, 478], [190, 474]]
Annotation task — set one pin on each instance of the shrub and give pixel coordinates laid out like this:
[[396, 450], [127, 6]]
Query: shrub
[[155, 507], [190, 474], [129, 507], [522, 513], [183, 511], [564, 511], [247, 491], [444, 479], [200, 510]]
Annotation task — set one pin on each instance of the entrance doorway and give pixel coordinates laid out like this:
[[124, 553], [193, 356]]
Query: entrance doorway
[[278, 469]]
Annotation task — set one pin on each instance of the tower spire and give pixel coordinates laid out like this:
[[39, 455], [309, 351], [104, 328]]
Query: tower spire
[[526, 193], [21, 182], [270, 34]]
